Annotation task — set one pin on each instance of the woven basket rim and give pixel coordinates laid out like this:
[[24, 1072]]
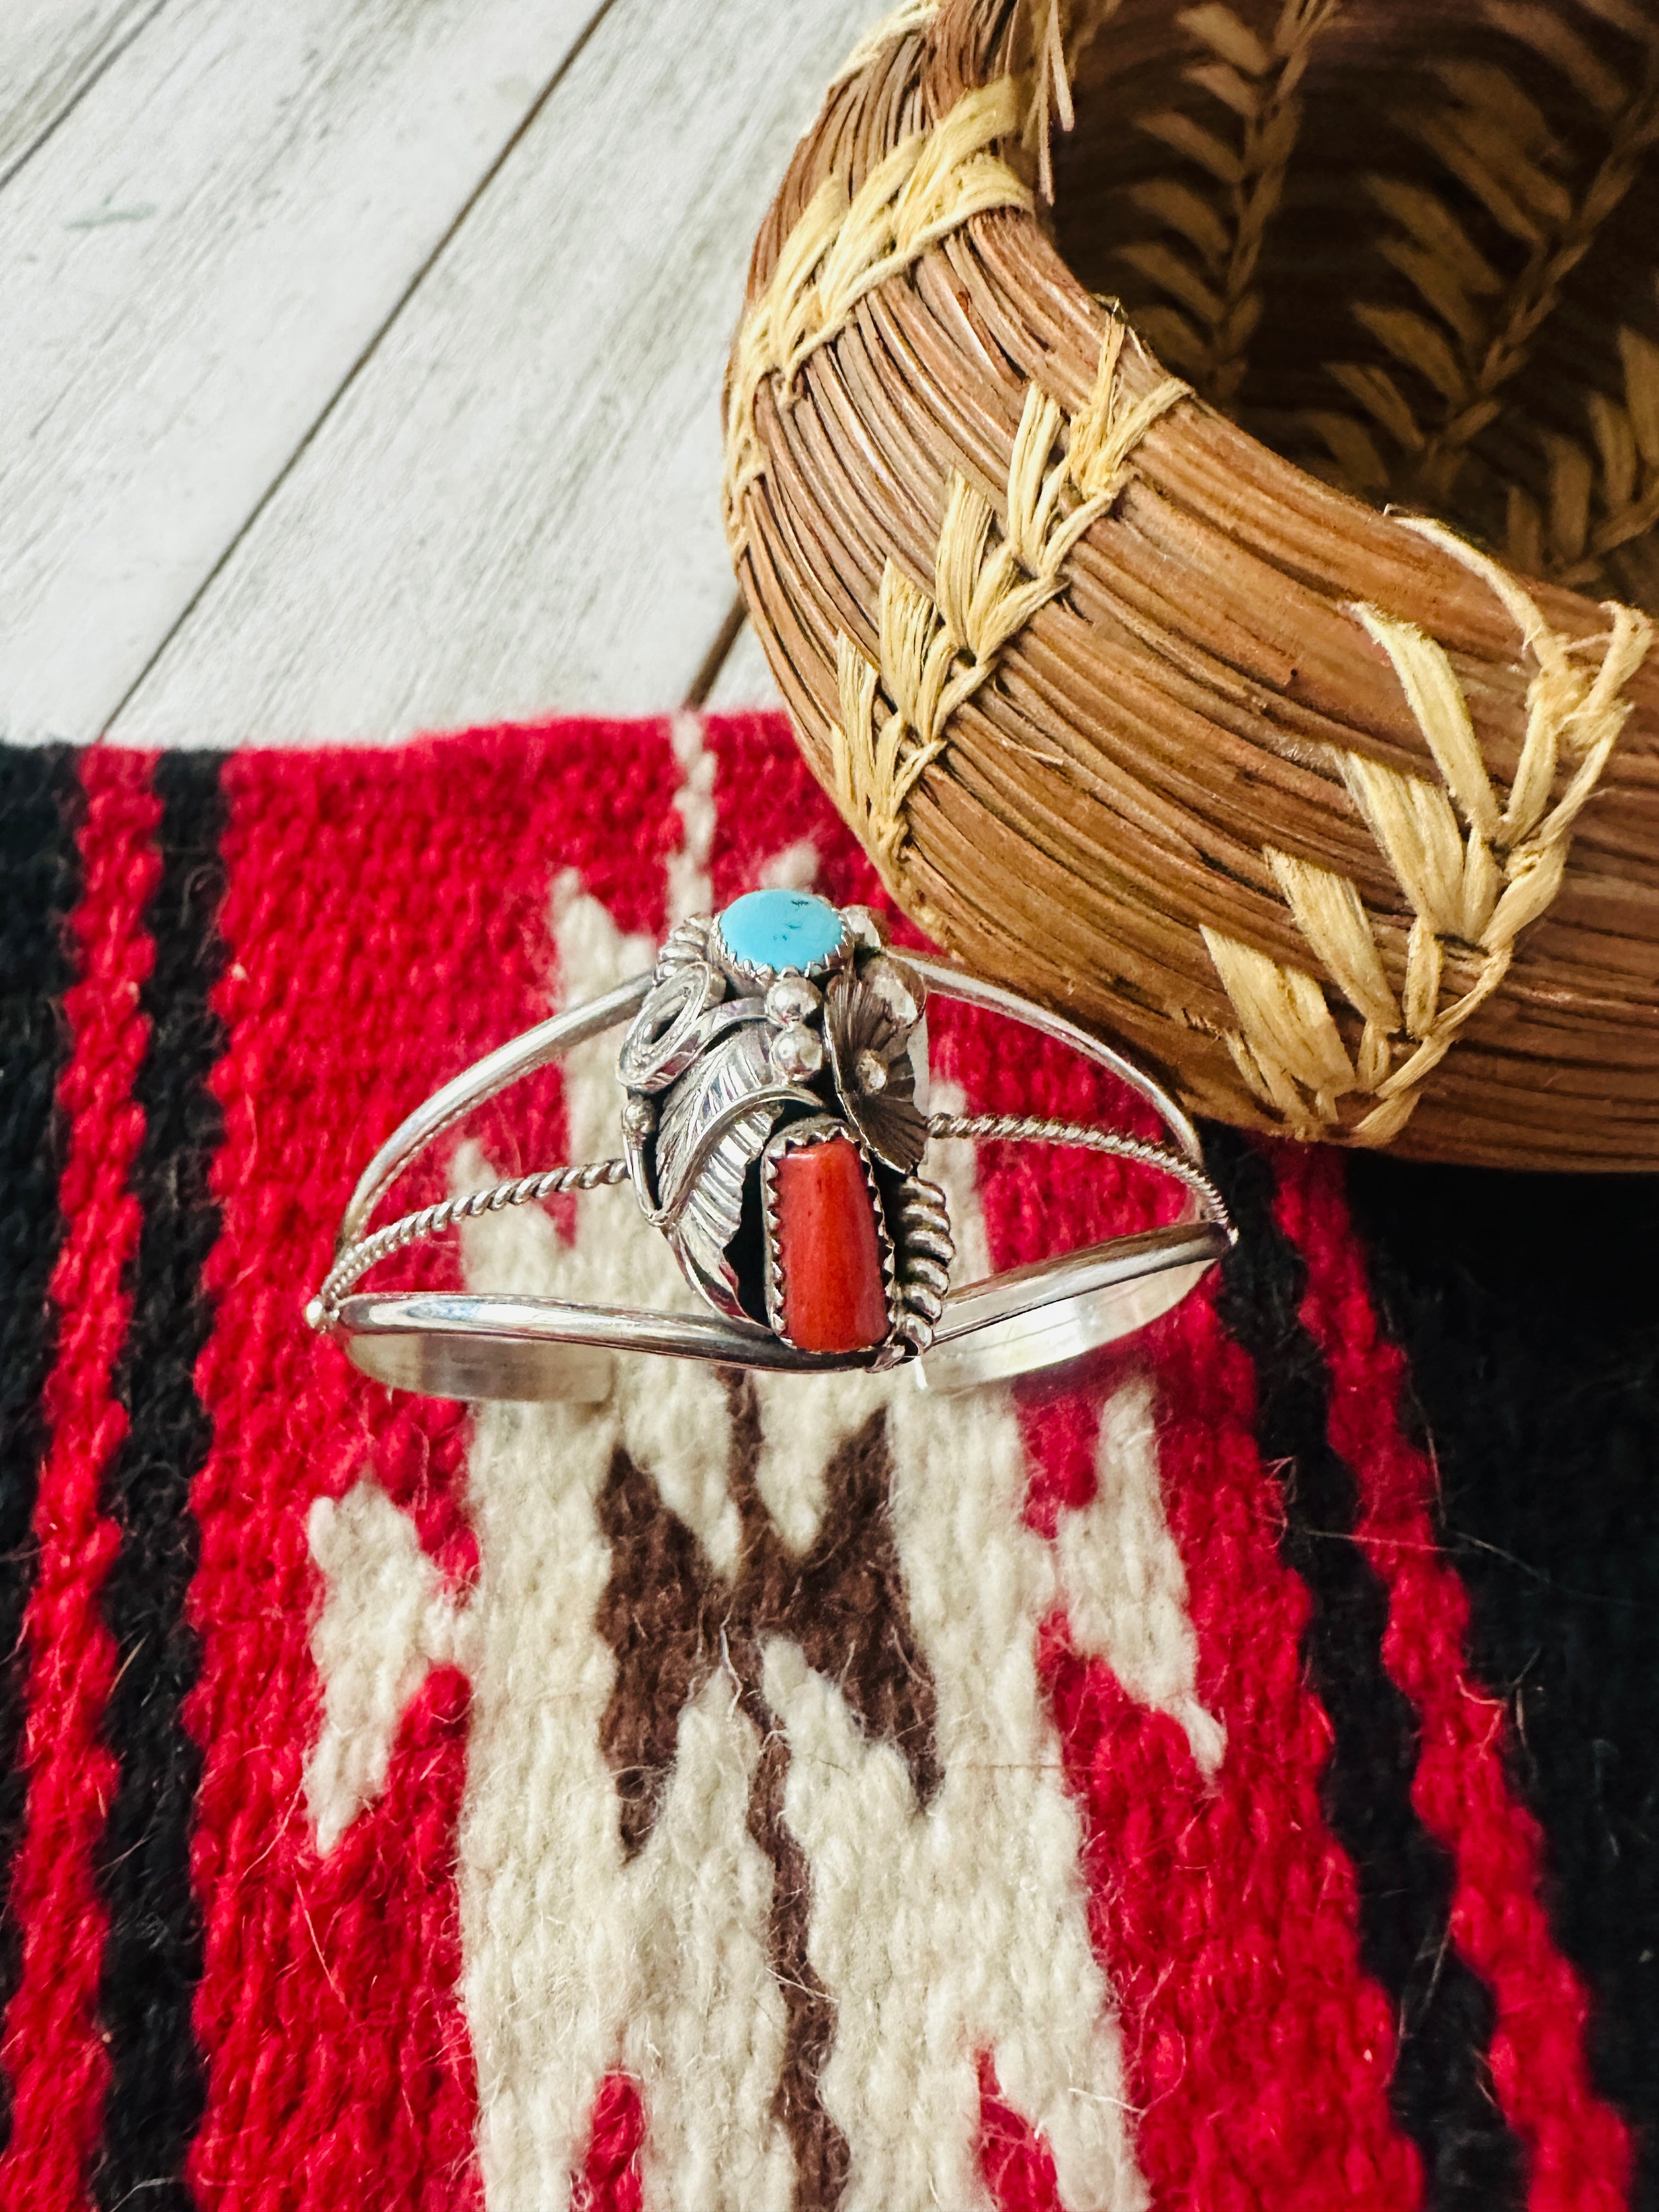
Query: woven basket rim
[[1436, 653]]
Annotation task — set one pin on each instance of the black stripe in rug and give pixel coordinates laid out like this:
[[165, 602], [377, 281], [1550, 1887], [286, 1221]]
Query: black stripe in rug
[[1527, 1306], [153, 1960], [1440, 2092], [40, 883]]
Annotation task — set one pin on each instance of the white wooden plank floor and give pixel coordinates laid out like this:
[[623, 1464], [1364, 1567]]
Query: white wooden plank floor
[[51, 51], [359, 365]]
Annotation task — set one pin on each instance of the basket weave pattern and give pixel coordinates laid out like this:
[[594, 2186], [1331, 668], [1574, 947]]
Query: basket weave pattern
[[1135, 698]]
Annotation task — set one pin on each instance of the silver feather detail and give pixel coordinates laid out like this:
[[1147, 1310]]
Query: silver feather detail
[[709, 1197]]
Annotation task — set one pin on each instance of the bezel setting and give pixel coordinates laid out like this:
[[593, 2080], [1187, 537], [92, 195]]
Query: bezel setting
[[761, 974], [819, 1129], [732, 1064]]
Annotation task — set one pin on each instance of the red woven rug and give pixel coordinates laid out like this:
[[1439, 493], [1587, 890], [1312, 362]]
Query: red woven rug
[[1222, 1776]]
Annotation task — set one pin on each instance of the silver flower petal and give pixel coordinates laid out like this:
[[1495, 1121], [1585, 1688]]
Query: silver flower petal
[[864, 1031]]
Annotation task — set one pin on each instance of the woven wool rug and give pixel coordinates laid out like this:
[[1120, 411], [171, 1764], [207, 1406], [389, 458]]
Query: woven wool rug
[[1221, 1775]]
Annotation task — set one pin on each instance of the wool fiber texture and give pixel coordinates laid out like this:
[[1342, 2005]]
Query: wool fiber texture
[[1217, 1778]]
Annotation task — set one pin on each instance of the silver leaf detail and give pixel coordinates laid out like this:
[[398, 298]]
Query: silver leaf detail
[[712, 1192]]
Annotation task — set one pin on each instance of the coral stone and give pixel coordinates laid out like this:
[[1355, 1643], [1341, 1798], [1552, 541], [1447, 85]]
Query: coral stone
[[779, 929], [833, 1297]]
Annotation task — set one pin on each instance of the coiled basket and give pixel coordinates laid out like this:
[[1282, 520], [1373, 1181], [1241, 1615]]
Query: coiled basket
[[1194, 470]]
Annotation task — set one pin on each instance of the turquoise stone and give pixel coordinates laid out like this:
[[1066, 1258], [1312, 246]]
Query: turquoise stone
[[781, 929]]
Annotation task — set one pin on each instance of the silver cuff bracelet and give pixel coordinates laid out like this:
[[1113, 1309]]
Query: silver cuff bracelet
[[773, 1117]]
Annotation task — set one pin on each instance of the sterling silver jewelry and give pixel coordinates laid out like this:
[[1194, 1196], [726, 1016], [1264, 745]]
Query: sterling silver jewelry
[[774, 1121]]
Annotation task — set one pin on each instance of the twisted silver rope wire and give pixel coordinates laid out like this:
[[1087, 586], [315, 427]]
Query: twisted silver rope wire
[[1029, 1129], [355, 1262], [358, 1260]]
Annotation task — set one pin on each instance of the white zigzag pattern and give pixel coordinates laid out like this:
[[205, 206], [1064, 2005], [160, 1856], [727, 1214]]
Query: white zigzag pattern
[[937, 1933]]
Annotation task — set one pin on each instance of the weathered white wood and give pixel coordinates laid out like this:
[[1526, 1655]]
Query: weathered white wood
[[744, 679], [515, 508], [193, 262], [49, 50]]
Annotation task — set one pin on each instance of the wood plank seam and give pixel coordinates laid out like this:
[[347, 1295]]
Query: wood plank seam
[[82, 86], [503, 154]]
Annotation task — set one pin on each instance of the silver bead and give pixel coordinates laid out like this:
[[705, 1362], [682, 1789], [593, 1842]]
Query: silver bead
[[639, 1117], [796, 1053], [897, 986], [792, 998], [870, 1071], [866, 926]]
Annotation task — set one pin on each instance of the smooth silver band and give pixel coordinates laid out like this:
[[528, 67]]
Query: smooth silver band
[[492, 1344]]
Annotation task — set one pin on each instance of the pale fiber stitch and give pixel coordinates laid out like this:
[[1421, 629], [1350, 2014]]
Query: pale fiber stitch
[[1216, 298], [842, 249], [1602, 493], [1051, 87], [909, 15], [1557, 242], [1471, 331], [1475, 869], [991, 574]]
